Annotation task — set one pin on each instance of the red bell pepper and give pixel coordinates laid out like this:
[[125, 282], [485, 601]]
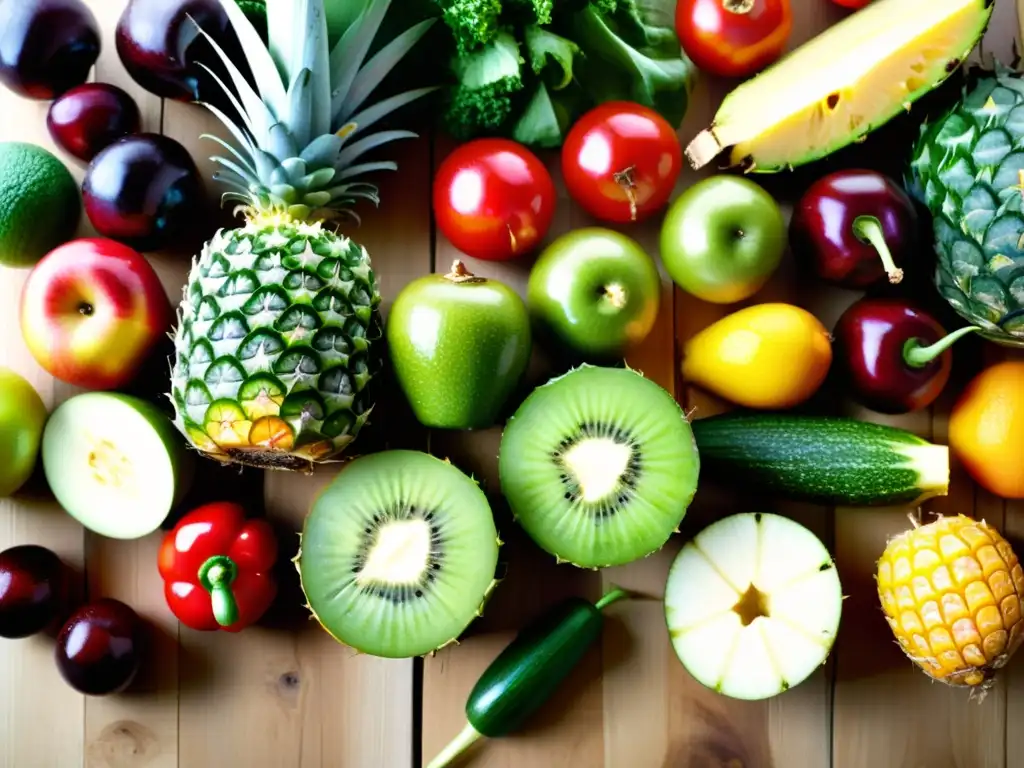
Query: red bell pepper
[[216, 567]]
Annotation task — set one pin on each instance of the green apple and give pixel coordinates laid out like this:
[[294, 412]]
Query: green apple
[[459, 345], [722, 239], [594, 291], [22, 418]]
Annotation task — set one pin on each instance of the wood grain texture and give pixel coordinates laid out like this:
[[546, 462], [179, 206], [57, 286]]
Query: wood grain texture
[[284, 694]]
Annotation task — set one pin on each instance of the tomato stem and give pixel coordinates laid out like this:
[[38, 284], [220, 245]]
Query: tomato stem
[[869, 229], [738, 6], [625, 180], [512, 239], [917, 356], [217, 575]]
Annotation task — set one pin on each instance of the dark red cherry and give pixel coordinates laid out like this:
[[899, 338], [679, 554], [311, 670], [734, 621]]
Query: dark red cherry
[[91, 117], [98, 648], [33, 581], [47, 47], [892, 356], [158, 43], [145, 191], [854, 228]]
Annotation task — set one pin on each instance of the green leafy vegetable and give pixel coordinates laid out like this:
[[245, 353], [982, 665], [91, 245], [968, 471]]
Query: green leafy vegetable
[[527, 69]]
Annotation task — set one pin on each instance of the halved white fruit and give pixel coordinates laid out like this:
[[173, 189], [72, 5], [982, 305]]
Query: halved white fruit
[[753, 605], [115, 463]]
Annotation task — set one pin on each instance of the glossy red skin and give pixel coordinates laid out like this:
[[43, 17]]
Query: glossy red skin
[[131, 313], [493, 199], [91, 117], [32, 590], [143, 190], [98, 649], [733, 44], [220, 528], [153, 37], [869, 340], [852, 3], [46, 46], [609, 139], [821, 230]]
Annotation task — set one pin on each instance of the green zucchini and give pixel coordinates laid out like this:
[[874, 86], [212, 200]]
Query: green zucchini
[[826, 460], [528, 671]]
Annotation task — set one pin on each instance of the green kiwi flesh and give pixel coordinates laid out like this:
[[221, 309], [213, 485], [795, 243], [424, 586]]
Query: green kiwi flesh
[[599, 466], [398, 554]]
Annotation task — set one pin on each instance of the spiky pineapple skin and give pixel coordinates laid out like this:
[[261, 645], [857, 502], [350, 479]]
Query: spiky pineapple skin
[[966, 168], [951, 593], [277, 345]]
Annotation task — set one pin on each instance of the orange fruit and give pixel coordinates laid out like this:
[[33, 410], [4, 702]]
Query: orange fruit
[[986, 429]]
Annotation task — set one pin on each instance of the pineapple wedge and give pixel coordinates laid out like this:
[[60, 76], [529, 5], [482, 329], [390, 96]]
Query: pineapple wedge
[[841, 85]]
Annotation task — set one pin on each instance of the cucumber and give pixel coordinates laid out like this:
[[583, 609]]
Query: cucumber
[[826, 460], [528, 671]]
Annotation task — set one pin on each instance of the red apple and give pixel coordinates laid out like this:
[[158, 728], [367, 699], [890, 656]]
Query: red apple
[[91, 312]]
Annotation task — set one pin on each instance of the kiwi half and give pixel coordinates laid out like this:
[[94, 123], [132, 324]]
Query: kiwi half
[[599, 466], [398, 554]]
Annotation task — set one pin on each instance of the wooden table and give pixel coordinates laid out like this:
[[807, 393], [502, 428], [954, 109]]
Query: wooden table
[[286, 695]]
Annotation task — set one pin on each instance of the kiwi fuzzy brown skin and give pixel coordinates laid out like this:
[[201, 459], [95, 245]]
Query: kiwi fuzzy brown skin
[[650, 494], [354, 556]]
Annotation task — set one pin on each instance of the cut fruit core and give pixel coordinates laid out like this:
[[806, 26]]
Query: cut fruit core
[[753, 605], [597, 466], [400, 554]]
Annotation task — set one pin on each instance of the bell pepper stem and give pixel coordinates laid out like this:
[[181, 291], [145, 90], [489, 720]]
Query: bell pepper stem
[[456, 747], [917, 356], [217, 575], [869, 229]]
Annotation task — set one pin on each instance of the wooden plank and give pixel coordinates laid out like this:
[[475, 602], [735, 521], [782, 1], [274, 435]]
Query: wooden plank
[[285, 693], [141, 727], [33, 692]]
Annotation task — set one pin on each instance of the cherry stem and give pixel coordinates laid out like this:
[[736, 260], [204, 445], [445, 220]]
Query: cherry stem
[[614, 596], [869, 229], [217, 575], [917, 356], [625, 180]]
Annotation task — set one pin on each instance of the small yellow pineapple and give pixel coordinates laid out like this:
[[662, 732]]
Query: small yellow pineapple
[[951, 592]]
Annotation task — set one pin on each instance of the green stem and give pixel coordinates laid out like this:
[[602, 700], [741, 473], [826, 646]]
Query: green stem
[[613, 596], [869, 229], [456, 747], [917, 356], [217, 575]]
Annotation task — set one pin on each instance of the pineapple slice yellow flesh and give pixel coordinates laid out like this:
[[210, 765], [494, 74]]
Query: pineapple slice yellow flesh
[[753, 605], [951, 592], [845, 82]]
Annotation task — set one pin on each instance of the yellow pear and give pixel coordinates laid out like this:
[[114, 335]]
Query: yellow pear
[[768, 356]]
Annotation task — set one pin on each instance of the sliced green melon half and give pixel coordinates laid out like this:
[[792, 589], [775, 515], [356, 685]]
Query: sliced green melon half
[[115, 463], [839, 86], [753, 605]]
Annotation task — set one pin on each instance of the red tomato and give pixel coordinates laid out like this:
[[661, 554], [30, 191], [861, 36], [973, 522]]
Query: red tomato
[[852, 3], [733, 38], [621, 161], [493, 199]]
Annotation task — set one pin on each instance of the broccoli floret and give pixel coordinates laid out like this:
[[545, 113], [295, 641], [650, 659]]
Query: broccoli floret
[[532, 11], [474, 23], [487, 81]]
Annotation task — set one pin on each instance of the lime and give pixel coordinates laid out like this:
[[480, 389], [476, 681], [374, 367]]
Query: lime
[[39, 203]]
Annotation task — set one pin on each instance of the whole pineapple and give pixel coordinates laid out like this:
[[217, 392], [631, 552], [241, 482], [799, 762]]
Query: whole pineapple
[[951, 591], [278, 332], [968, 169]]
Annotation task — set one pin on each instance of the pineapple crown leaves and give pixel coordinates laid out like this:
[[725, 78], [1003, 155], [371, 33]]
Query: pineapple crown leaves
[[304, 126]]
